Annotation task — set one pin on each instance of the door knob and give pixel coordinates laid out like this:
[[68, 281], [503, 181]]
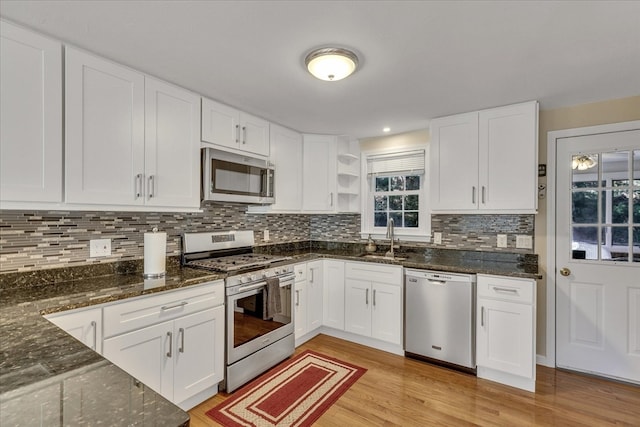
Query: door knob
[[565, 271]]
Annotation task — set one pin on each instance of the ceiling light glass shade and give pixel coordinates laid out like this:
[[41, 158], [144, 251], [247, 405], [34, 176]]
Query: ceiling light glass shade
[[583, 162], [331, 64]]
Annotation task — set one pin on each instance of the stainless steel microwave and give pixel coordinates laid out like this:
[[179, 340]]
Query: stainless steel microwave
[[230, 177]]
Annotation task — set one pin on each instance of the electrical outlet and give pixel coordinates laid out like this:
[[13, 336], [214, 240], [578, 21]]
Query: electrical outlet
[[99, 247], [524, 242], [437, 238], [502, 241], [265, 235]]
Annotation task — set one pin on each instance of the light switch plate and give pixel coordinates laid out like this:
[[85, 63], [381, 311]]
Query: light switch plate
[[437, 238], [99, 247], [524, 242], [502, 241]]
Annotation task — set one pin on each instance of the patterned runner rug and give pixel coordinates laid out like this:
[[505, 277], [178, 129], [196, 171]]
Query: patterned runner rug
[[294, 393]]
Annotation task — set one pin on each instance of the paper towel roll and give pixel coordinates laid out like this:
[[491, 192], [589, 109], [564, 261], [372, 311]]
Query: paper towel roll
[[155, 254]]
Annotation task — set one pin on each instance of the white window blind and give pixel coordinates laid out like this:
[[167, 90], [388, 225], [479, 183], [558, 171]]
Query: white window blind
[[401, 163]]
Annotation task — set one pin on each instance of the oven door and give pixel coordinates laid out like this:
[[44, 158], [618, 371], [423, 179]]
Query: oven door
[[250, 325]]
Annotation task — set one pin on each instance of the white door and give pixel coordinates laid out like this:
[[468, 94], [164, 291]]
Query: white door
[[30, 116], [386, 312], [454, 162], [172, 146], [104, 125], [598, 254], [199, 352]]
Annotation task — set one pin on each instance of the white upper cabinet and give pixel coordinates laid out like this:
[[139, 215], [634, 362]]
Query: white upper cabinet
[[230, 129], [485, 161], [286, 155], [30, 116], [172, 162], [130, 140], [104, 131], [319, 173]]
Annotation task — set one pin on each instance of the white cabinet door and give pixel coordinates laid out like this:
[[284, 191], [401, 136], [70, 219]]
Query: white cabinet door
[[146, 354], [198, 352], [508, 157], [504, 339], [386, 313], [300, 305], [254, 134], [319, 173], [83, 325], [172, 147], [314, 295], [220, 124], [286, 155], [30, 116], [333, 301], [104, 147], [358, 306], [454, 162], [19, 410]]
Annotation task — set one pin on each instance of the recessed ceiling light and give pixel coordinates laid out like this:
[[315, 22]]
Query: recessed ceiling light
[[331, 64], [386, 129]]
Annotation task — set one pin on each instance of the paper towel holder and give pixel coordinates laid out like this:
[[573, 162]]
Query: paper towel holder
[[158, 275]]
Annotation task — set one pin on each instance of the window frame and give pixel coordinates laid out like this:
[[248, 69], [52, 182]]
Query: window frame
[[422, 233]]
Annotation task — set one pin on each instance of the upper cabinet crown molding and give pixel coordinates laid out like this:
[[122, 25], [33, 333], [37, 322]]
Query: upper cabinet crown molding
[[227, 128], [485, 161], [30, 116]]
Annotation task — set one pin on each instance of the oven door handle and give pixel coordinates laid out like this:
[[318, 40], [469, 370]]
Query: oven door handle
[[251, 287]]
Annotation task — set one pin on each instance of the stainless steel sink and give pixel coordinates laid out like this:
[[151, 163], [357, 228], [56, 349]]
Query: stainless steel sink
[[383, 257]]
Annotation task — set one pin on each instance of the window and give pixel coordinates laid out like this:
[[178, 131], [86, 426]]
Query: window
[[395, 188]]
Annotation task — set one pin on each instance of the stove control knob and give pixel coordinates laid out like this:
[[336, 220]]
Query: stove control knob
[[277, 271], [244, 279], [254, 277]]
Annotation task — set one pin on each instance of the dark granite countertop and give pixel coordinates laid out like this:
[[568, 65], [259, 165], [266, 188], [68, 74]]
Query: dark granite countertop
[[40, 363]]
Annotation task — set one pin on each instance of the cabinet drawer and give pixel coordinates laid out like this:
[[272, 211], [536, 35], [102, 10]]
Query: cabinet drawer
[[301, 271], [380, 273], [506, 288], [148, 310]]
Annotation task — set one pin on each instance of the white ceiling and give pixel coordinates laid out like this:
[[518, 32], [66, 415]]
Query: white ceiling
[[419, 59]]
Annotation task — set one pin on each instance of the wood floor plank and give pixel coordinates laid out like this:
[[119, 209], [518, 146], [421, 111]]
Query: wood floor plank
[[398, 391]]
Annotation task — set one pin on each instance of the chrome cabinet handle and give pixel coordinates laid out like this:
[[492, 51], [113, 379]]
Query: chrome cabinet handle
[[366, 297], [374, 297], [138, 185], [331, 199], [94, 326], [297, 298], [244, 134], [150, 186], [181, 332], [482, 316], [170, 335], [311, 279], [237, 134], [483, 194], [169, 307], [473, 195], [507, 290]]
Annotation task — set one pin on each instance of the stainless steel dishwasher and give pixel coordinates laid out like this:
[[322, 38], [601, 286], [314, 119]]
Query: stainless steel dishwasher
[[440, 317]]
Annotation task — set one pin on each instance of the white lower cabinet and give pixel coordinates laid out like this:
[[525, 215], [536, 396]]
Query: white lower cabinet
[[300, 300], [373, 301], [505, 330], [315, 282], [85, 325], [333, 294], [178, 358]]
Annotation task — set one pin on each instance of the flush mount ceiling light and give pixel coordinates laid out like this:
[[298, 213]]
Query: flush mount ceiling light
[[582, 162], [331, 63]]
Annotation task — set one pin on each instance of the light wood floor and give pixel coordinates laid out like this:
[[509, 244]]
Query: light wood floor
[[398, 391]]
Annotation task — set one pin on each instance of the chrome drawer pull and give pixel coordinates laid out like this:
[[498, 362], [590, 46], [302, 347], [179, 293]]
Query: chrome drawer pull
[[181, 332], [169, 307], [94, 325]]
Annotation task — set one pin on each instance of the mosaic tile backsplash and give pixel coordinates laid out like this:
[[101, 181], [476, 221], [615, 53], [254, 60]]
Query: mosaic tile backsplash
[[34, 240]]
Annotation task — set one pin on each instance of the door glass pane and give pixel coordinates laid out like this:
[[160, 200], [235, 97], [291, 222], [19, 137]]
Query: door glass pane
[[619, 207], [636, 207], [585, 207], [615, 163], [584, 243], [615, 244], [636, 168]]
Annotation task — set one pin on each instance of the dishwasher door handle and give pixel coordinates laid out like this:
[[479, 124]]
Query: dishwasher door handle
[[437, 282]]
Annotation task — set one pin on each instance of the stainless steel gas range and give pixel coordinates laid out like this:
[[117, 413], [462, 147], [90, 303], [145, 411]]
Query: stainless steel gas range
[[259, 303]]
